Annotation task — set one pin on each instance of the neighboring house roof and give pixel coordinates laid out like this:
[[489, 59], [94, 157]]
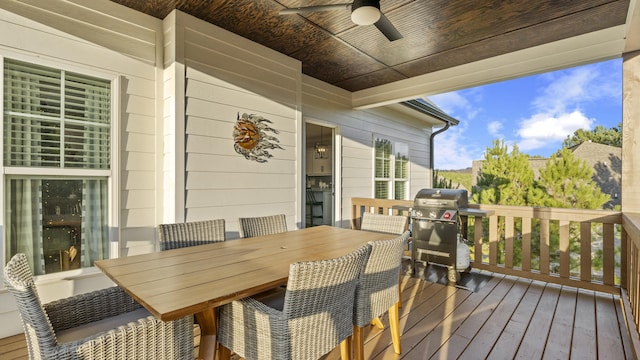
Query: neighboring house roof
[[605, 160]]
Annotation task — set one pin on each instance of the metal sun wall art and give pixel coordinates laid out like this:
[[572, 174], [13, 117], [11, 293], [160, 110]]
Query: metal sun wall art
[[251, 138]]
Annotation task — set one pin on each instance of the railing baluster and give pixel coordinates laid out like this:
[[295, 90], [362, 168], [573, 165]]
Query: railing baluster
[[526, 244], [477, 240], [544, 246], [624, 264], [508, 242], [565, 258], [493, 240], [608, 260], [585, 251]]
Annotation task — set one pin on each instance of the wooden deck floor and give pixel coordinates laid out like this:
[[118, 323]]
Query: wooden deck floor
[[508, 318]]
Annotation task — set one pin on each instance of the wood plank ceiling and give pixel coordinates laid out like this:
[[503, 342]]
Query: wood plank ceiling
[[437, 34]]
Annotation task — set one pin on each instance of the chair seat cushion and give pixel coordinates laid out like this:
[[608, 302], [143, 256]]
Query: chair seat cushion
[[100, 326], [273, 298]]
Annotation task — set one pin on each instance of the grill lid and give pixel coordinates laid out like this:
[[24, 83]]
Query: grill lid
[[441, 198]]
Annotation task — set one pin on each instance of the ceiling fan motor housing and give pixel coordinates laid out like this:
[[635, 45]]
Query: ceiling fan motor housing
[[365, 12]]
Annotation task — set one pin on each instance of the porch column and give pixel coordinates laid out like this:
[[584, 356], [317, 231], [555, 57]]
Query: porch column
[[631, 132]]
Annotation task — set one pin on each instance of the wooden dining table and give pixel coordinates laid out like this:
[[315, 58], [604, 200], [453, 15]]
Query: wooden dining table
[[195, 280]]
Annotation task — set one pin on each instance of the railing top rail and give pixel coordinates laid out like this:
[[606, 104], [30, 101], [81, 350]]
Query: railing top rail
[[601, 216]]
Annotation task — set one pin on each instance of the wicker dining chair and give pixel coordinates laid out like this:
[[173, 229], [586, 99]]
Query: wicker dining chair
[[307, 320], [104, 324], [377, 292], [392, 224], [262, 225], [180, 235]]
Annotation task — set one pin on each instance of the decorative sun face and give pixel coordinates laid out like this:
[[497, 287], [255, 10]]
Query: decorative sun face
[[246, 134], [251, 138]]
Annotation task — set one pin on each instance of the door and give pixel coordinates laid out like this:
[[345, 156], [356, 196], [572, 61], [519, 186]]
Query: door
[[319, 175]]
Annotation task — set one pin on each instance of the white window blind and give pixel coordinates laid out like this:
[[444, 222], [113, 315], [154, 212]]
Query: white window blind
[[382, 168], [401, 178], [391, 169], [54, 118]]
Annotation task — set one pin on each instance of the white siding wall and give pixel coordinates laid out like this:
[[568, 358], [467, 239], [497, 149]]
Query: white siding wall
[[328, 104], [182, 84], [123, 46], [226, 75]]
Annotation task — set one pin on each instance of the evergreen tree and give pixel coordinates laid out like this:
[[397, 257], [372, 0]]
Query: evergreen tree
[[567, 183], [505, 178], [600, 135]]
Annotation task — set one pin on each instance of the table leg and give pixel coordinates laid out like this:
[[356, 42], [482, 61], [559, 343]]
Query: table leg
[[208, 330]]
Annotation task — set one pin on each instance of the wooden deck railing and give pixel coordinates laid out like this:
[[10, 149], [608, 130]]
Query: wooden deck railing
[[631, 275], [581, 248], [590, 249]]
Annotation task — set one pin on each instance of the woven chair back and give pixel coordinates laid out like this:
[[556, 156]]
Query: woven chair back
[[263, 225], [377, 290], [39, 333], [392, 224], [180, 235], [320, 296]]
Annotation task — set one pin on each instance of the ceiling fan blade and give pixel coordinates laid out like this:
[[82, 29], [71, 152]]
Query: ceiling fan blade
[[387, 29], [306, 9]]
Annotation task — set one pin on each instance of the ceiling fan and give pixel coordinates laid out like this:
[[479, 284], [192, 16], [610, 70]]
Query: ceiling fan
[[363, 12]]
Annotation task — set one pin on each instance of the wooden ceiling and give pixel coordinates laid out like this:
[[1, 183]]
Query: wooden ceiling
[[437, 34]]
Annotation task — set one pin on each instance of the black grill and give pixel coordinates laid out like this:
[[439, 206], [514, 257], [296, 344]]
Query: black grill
[[437, 226]]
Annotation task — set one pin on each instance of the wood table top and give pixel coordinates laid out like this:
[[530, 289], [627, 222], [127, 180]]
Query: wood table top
[[175, 283]]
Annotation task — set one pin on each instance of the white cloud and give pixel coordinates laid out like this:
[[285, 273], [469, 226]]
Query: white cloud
[[456, 103], [450, 102], [452, 151], [542, 129], [559, 102], [553, 120], [570, 88], [494, 128]]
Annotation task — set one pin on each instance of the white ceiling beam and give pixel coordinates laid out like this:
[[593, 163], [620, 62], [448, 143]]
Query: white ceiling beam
[[592, 47]]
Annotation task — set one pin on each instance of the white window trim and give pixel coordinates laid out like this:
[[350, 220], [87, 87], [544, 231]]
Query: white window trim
[[113, 174]]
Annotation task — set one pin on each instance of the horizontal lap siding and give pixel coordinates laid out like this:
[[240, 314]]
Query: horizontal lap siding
[[98, 38], [138, 147], [227, 76], [328, 104]]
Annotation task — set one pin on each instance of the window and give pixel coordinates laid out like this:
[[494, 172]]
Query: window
[[57, 158], [391, 169]]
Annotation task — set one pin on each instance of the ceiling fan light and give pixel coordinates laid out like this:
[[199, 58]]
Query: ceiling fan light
[[365, 14]]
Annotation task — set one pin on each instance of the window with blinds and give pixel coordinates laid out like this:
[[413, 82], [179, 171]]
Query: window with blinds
[[391, 169], [57, 156], [54, 118], [401, 178], [382, 168]]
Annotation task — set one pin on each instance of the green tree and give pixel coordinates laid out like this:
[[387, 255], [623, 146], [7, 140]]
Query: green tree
[[600, 135], [567, 183], [505, 177]]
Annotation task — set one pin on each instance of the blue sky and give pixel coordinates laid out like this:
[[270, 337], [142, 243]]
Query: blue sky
[[536, 113]]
